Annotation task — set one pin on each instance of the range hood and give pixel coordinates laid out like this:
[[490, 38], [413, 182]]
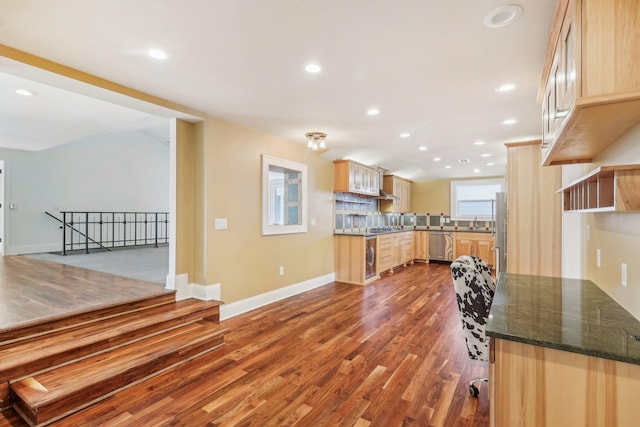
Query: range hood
[[385, 196]]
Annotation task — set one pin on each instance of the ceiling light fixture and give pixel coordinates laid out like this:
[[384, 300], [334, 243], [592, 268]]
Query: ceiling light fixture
[[373, 112], [505, 87], [436, 159], [502, 16], [509, 122], [157, 54], [315, 140], [25, 92], [405, 135], [447, 167], [476, 170], [312, 68], [485, 155], [479, 143], [489, 164], [422, 148], [461, 161]]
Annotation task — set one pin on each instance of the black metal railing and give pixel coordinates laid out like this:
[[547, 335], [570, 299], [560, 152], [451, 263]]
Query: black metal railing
[[105, 230]]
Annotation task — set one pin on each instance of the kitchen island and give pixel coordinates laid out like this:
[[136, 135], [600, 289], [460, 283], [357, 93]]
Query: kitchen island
[[563, 353]]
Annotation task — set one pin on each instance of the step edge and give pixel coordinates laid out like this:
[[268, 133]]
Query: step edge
[[201, 340], [111, 393]]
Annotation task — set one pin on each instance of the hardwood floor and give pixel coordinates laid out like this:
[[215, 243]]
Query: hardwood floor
[[32, 289], [388, 354]]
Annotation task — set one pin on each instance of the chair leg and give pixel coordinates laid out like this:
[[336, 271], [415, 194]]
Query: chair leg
[[473, 390]]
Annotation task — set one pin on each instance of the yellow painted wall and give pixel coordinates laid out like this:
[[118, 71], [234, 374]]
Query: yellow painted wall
[[617, 235], [432, 196], [243, 261], [218, 176]]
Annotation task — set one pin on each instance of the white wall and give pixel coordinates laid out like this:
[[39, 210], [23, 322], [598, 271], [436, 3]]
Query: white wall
[[572, 230], [126, 171], [617, 235]]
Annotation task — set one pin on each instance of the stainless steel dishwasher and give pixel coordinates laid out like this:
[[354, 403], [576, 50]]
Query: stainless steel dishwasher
[[440, 246]]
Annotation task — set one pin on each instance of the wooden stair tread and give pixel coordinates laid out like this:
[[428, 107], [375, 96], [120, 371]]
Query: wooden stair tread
[[62, 390], [41, 326], [20, 358]]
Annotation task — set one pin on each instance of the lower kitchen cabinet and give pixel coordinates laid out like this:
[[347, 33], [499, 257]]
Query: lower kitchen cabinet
[[421, 245], [350, 259], [475, 244], [385, 252]]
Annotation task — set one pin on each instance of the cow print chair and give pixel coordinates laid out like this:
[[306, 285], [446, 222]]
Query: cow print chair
[[474, 288]]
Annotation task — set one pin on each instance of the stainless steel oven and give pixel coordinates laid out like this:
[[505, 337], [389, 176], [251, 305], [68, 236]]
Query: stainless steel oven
[[370, 261]]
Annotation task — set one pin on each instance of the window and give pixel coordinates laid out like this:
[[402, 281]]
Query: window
[[284, 196], [474, 199]]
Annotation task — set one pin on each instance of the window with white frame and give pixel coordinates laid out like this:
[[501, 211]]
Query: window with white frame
[[474, 199]]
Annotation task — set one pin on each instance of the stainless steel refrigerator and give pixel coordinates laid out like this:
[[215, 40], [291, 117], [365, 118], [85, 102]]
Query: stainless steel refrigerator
[[500, 231]]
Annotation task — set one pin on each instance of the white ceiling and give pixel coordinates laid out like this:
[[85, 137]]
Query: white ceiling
[[430, 66]]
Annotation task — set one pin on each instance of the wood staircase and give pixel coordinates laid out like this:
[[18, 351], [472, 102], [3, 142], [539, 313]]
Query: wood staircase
[[49, 370]]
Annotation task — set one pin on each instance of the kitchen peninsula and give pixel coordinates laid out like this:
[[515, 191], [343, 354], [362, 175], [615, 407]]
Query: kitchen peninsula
[[563, 353]]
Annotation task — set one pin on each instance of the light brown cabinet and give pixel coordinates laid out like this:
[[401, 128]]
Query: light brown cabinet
[[384, 254], [590, 92], [353, 177], [605, 189], [401, 189], [421, 245], [534, 212], [394, 249], [533, 386], [475, 244]]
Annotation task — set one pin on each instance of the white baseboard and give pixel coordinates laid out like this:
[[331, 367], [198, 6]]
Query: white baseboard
[[238, 307], [32, 249], [205, 292]]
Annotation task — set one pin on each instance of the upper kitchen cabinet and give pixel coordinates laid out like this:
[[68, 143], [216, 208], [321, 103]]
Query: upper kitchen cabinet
[[353, 177], [590, 91], [401, 190]]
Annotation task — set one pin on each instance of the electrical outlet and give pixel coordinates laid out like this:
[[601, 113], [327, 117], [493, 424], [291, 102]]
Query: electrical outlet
[[282, 270], [623, 274], [598, 258]]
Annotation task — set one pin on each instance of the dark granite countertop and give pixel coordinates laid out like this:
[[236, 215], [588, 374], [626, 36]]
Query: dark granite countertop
[[400, 230], [565, 314]]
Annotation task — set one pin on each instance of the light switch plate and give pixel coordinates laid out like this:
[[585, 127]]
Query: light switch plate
[[220, 223]]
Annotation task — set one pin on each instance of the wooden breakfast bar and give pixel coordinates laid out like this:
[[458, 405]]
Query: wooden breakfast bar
[[563, 353]]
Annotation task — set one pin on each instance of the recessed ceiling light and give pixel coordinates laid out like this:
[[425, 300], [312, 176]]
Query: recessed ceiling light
[[436, 159], [485, 155], [509, 122], [313, 68], [461, 161], [157, 54], [25, 92], [479, 143], [405, 135], [502, 16], [476, 170], [505, 87], [447, 167], [489, 164], [373, 111], [422, 148]]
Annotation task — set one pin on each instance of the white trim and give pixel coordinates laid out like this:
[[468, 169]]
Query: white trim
[[35, 248], [453, 198], [180, 283], [269, 229], [239, 307], [205, 292]]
